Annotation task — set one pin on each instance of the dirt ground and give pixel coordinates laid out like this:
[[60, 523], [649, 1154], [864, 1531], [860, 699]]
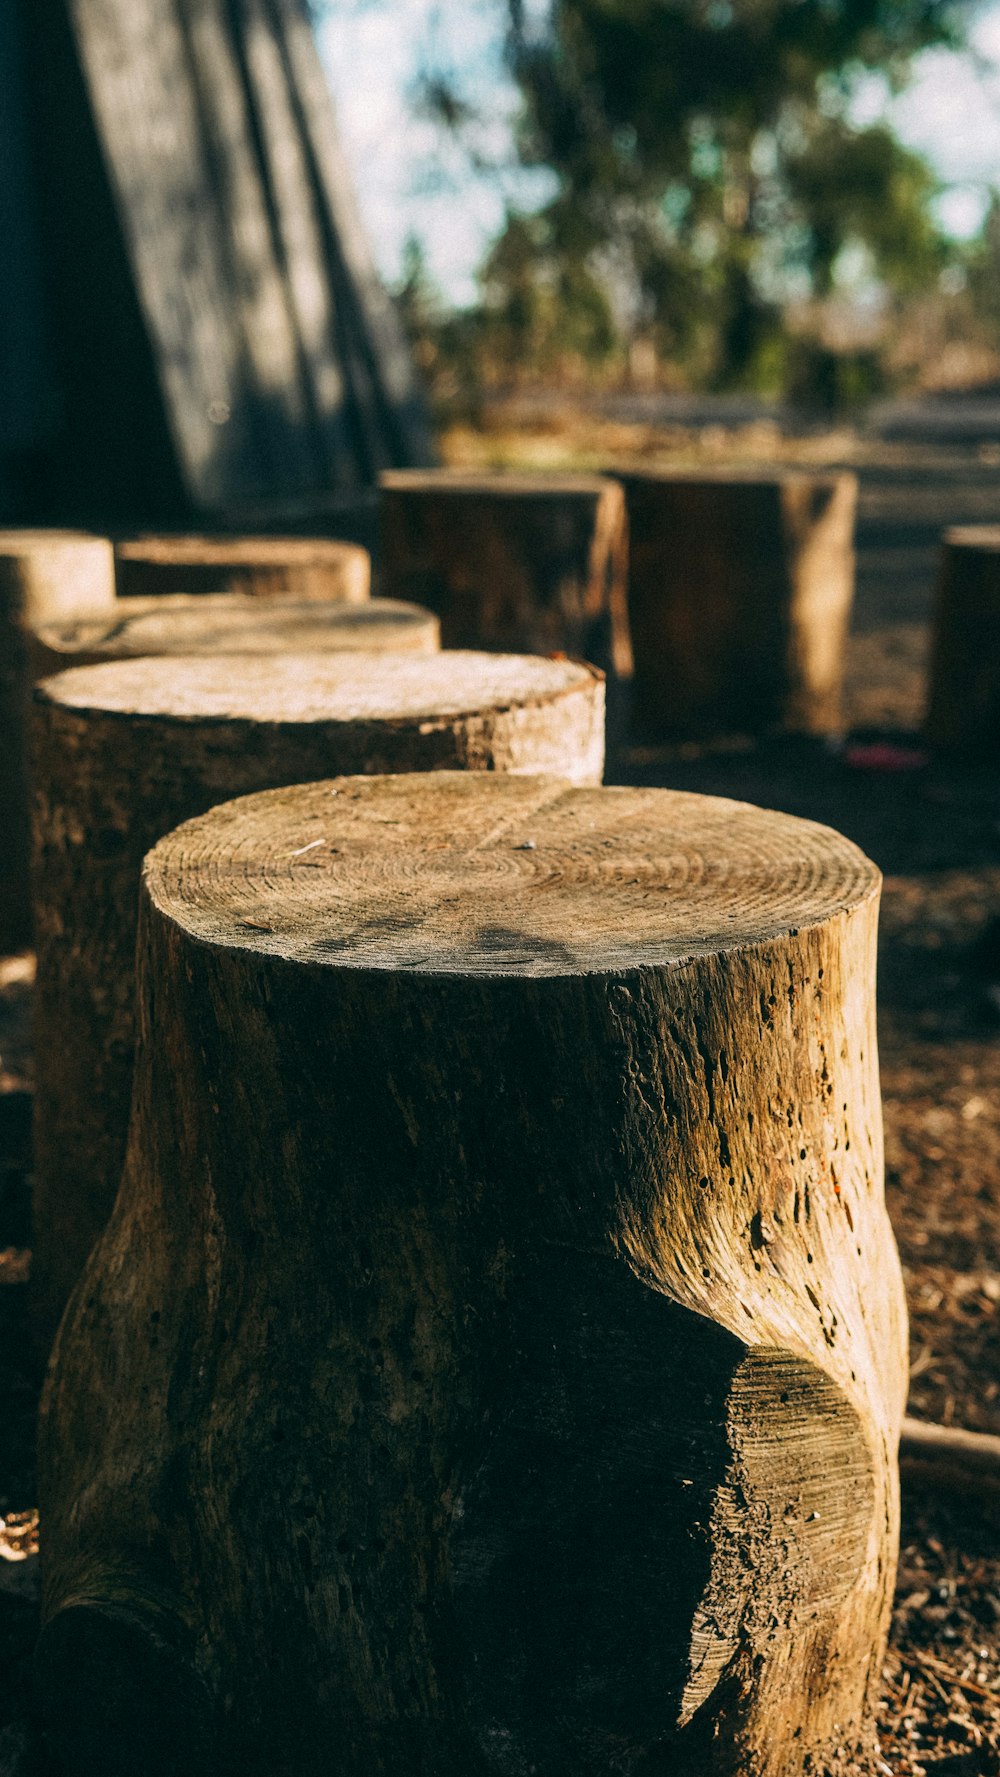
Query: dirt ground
[[935, 832]]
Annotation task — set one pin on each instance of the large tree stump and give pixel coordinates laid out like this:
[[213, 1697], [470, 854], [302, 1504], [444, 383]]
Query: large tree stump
[[259, 567], [44, 576], [963, 713], [126, 751], [740, 593], [511, 561], [496, 1358], [223, 623]]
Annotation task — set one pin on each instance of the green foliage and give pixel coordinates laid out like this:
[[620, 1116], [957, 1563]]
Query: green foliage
[[707, 180]]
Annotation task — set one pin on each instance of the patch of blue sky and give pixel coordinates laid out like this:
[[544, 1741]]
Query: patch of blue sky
[[411, 179]]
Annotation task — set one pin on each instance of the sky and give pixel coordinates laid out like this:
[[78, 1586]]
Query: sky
[[410, 180]]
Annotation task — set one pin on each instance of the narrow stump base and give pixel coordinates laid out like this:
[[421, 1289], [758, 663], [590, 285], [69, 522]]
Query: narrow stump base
[[124, 752], [496, 1357]]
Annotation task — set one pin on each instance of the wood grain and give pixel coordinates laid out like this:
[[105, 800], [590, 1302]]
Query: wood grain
[[963, 709], [45, 575], [499, 1325], [221, 623], [125, 751], [257, 567], [740, 594], [511, 561]]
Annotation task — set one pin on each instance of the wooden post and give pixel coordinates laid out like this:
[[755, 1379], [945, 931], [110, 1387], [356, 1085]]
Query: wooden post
[[740, 592], [44, 576], [511, 561], [261, 567], [963, 713], [124, 752], [497, 1355], [219, 623]]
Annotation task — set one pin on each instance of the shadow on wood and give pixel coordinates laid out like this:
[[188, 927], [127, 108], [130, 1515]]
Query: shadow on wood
[[499, 1325]]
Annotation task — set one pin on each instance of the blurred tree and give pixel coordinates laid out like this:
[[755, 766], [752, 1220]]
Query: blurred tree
[[708, 175]]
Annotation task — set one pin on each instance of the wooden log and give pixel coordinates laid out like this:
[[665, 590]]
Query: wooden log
[[259, 567], [44, 576], [963, 711], [496, 1357], [949, 1458], [123, 752], [511, 561], [740, 591], [221, 623]]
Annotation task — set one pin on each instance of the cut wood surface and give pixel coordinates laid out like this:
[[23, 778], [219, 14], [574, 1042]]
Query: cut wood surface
[[511, 561], [123, 752], [740, 592], [963, 711], [44, 576], [294, 567], [496, 1358], [223, 624]]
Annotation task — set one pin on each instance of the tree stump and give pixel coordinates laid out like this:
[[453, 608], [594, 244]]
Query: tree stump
[[258, 567], [126, 751], [223, 623], [496, 1358], [963, 713], [44, 576], [740, 593], [511, 561]]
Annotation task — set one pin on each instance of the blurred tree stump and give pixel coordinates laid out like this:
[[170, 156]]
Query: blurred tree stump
[[963, 713], [740, 593], [511, 561], [258, 567], [44, 576], [222, 623], [124, 752], [496, 1358]]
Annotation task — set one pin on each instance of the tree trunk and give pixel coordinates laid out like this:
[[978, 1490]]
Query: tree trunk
[[963, 712], [45, 576], [221, 623], [496, 1358], [740, 592], [511, 561], [125, 752], [262, 567]]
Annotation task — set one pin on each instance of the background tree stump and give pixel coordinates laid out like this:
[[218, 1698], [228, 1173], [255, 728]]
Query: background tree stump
[[496, 1358], [740, 593], [259, 567], [124, 752], [511, 561], [222, 623], [963, 712], [44, 576]]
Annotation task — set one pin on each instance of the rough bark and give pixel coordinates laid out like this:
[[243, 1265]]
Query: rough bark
[[511, 561], [221, 623], [44, 576], [124, 752], [260, 567], [740, 592], [963, 713], [496, 1358]]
